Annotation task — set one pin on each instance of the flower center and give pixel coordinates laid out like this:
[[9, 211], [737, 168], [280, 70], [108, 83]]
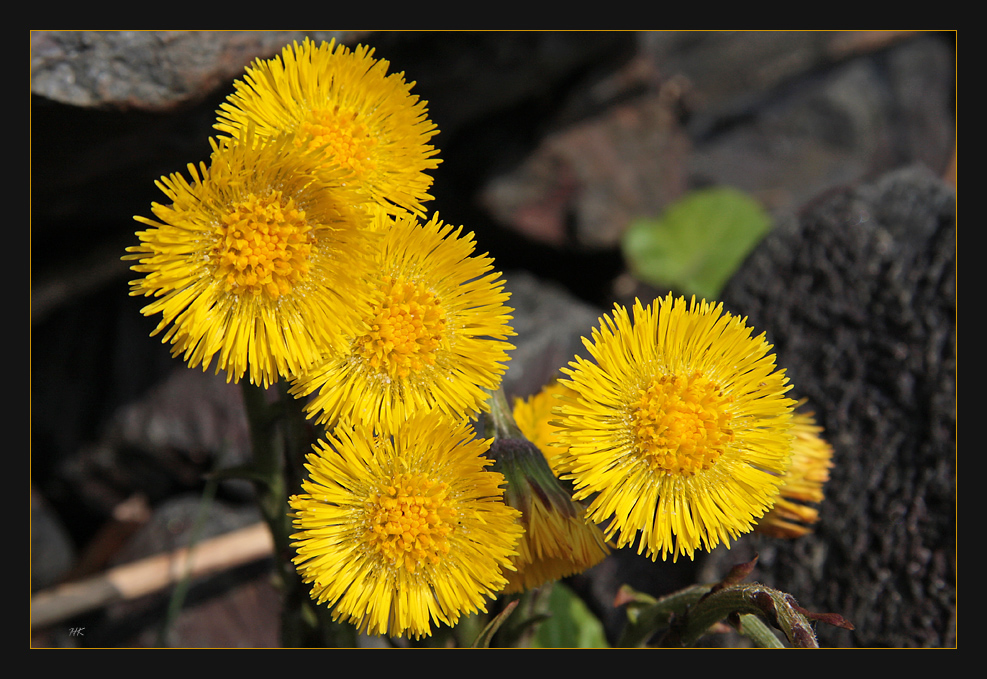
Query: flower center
[[263, 245], [681, 424], [407, 327], [409, 521], [346, 140]]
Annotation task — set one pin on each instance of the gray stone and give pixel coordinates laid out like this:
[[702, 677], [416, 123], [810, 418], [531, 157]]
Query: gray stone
[[148, 70], [858, 296]]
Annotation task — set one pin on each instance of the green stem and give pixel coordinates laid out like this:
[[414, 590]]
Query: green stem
[[755, 629], [741, 600], [501, 423], [268, 476], [281, 436], [659, 615]]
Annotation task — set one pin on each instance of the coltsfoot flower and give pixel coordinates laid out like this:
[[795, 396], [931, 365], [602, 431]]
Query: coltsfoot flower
[[255, 262], [558, 539], [679, 432], [434, 338], [537, 421], [343, 103], [812, 458], [399, 530]]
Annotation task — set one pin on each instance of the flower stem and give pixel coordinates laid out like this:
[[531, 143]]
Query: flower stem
[[280, 436], [501, 422], [659, 614], [737, 602]]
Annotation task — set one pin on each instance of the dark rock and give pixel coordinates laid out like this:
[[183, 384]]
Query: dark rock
[[850, 121], [858, 296], [783, 116], [52, 551], [589, 181], [549, 323], [149, 70], [468, 78]]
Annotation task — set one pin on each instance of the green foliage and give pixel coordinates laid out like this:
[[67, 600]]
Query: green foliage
[[570, 625], [698, 243]]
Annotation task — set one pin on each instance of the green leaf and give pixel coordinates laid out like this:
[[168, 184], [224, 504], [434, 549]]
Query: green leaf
[[698, 243], [571, 624]]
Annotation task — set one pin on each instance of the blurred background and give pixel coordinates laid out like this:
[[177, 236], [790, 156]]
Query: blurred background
[[555, 146]]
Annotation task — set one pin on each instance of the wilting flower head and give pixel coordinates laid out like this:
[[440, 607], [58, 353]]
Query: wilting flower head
[[255, 262], [399, 530], [680, 431], [812, 459], [434, 337], [558, 541], [341, 101]]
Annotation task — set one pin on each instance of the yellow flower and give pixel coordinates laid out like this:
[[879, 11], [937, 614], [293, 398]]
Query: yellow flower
[[342, 101], [812, 458], [434, 338], [558, 540], [680, 431], [253, 262], [536, 420], [401, 530]]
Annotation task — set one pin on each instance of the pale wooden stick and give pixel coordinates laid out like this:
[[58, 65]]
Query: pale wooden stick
[[139, 578]]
